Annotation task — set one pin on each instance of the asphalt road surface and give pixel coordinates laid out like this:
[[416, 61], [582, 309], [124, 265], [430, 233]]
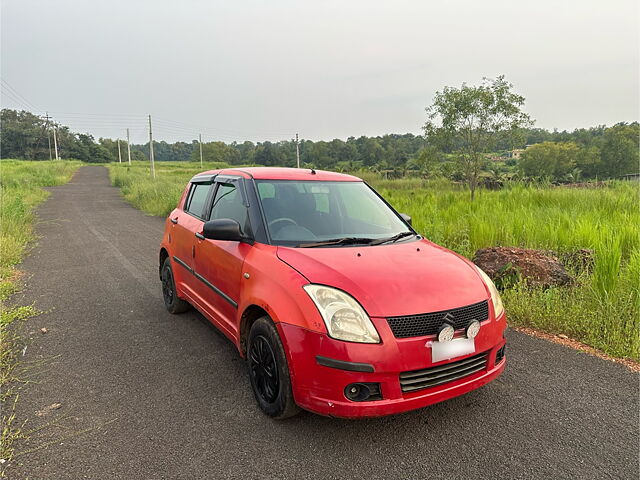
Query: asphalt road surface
[[148, 395]]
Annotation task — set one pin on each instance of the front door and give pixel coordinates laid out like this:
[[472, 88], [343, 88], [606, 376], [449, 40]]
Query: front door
[[186, 223], [218, 263]]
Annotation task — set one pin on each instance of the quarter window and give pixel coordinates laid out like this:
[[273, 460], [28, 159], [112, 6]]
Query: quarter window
[[197, 198]]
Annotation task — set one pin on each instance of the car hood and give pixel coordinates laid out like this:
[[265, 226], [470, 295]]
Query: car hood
[[390, 280]]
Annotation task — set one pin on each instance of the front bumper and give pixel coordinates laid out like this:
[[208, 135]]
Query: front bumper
[[319, 387]]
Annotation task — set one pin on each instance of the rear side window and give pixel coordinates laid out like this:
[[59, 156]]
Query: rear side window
[[197, 198]]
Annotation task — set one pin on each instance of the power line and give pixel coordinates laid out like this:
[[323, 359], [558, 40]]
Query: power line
[[7, 94], [107, 122], [10, 88]]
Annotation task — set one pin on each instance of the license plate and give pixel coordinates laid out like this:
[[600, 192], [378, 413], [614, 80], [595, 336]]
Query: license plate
[[451, 349]]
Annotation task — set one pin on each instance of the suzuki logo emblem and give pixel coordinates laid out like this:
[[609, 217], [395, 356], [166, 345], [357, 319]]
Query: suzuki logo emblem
[[449, 318]]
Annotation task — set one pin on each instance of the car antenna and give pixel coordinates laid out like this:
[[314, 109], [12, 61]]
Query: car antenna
[[313, 172]]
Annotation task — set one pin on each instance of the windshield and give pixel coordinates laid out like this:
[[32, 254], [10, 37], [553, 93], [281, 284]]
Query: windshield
[[313, 213]]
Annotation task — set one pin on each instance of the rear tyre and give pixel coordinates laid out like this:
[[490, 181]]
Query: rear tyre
[[268, 370], [169, 292]]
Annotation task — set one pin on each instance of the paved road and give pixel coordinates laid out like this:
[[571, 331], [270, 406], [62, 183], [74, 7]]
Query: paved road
[[149, 395]]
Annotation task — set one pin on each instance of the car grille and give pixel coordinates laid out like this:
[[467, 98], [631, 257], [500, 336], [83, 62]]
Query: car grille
[[429, 323], [431, 377]]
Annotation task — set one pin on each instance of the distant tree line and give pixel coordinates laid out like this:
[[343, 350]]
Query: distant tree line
[[597, 152]]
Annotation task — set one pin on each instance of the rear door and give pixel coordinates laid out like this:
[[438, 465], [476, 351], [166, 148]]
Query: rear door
[[186, 223], [218, 263]]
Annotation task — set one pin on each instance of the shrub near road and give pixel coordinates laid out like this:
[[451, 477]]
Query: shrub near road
[[602, 309]]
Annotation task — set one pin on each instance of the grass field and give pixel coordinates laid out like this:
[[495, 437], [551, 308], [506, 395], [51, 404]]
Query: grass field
[[20, 192], [602, 310]]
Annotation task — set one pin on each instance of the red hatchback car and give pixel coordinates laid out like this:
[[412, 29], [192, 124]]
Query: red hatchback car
[[339, 306]]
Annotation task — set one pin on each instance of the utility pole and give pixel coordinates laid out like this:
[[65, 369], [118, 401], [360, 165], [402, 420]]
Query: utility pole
[[153, 167], [297, 151], [128, 147], [55, 141], [200, 137], [48, 135], [119, 153]]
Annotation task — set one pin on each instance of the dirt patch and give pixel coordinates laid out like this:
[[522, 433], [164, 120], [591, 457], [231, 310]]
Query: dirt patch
[[506, 265]]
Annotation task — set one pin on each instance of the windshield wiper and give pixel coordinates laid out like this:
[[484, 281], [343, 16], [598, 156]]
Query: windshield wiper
[[395, 238], [339, 241]]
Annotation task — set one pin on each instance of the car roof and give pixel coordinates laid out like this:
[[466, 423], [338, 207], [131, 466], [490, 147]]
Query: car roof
[[281, 173]]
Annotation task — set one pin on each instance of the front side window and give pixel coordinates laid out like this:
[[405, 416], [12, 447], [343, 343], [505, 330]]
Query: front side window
[[197, 198], [228, 204], [302, 212]]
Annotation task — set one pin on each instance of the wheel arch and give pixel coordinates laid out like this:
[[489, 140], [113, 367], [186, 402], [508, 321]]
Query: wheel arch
[[164, 254], [249, 316]]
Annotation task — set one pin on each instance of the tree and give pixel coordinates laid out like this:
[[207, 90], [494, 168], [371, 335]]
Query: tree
[[620, 149], [550, 160], [589, 161], [538, 161], [216, 152], [83, 147], [24, 135], [471, 119], [427, 162]]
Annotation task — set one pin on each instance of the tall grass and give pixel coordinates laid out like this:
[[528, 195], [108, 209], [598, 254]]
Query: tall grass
[[602, 309], [160, 195]]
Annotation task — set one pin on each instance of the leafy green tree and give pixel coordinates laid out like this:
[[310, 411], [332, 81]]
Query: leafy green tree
[[370, 152], [427, 162], [620, 149], [566, 159], [216, 152], [268, 154], [539, 160], [84, 148], [23, 135], [550, 160], [589, 161], [472, 119], [246, 150]]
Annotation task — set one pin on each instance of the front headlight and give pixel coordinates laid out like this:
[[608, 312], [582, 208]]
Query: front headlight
[[498, 308], [344, 317]]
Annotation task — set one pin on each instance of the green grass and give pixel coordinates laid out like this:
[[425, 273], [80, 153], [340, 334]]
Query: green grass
[[601, 310], [20, 192], [160, 195]]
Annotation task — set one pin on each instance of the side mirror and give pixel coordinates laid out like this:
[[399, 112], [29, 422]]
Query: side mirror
[[406, 218], [222, 229]]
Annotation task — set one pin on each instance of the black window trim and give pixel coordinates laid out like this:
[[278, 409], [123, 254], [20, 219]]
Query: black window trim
[[239, 182], [199, 180]]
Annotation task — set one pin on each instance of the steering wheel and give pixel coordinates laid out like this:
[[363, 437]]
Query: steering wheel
[[281, 219]]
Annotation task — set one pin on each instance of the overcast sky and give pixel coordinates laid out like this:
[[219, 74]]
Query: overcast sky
[[263, 70]]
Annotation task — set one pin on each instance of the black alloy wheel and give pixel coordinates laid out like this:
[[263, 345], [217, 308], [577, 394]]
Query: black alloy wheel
[[173, 303], [269, 371], [263, 369]]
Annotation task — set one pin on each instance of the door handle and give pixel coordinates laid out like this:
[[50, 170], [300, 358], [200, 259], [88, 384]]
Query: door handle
[[174, 220], [200, 236]]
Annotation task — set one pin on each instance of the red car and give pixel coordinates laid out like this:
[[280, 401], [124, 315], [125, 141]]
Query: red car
[[338, 305]]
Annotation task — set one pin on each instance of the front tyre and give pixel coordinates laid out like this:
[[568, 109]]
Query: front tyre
[[268, 370], [169, 292]]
